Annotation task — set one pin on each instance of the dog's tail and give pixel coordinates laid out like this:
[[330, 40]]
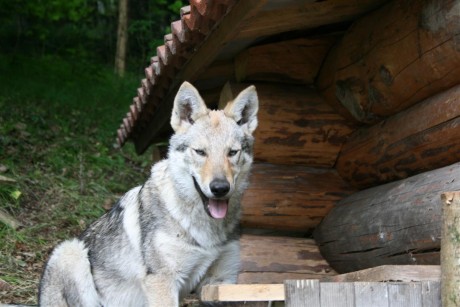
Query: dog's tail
[[67, 278]]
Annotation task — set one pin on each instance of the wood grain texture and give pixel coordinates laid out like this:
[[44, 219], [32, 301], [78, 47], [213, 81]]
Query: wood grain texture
[[291, 61], [393, 58], [337, 294], [403, 273], [302, 293], [288, 197], [450, 249], [373, 294], [296, 126], [279, 18], [270, 259], [421, 138], [396, 223], [312, 293], [243, 292]]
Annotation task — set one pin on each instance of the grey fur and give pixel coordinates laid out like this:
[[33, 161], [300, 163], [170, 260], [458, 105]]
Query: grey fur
[[170, 236]]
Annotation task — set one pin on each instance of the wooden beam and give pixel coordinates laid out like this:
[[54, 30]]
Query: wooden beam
[[206, 52], [272, 259], [450, 249], [242, 293], [395, 223], [404, 273], [217, 74], [393, 58], [291, 197], [425, 278], [421, 138], [303, 15], [291, 61], [296, 126]]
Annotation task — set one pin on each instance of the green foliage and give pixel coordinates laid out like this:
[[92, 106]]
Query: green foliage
[[150, 21], [85, 29], [58, 120]]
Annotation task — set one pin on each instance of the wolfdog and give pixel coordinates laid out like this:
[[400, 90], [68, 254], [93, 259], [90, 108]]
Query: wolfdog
[[178, 231]]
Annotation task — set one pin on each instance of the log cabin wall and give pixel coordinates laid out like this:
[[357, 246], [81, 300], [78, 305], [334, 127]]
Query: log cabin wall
[[359, 120], [400, 82]]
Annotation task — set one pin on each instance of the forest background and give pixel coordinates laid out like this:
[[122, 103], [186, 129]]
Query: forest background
[[62, 98]]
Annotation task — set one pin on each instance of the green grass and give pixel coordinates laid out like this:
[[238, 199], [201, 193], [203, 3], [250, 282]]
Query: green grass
[[58, 120]]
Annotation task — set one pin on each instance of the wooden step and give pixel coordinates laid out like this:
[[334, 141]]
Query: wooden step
[[380, 286]]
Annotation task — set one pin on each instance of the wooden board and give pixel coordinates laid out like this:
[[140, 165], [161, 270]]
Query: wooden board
[[403, 284], [393, 58], [294, 198], [396, 223], [312, 293], [243, 292], [421, 138], [296, 126], [291, 61], [283, 16], [403, 273], [271, 259]]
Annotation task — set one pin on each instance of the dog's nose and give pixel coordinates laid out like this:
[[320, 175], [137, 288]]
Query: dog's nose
[[219, 187]]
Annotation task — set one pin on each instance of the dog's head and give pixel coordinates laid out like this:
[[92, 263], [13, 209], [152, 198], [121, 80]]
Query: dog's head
[[212, 150]]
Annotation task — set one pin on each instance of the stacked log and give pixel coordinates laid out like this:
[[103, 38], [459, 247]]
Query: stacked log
[[296, 126], [396, 223], [421, 138], [290, 198], [273, 259], [381, 68]]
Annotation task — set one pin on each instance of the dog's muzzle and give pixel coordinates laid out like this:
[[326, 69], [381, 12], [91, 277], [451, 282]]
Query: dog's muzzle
[[215, 207]]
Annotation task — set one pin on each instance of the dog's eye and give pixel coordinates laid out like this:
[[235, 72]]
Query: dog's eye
[[232, 153], [200, 152]]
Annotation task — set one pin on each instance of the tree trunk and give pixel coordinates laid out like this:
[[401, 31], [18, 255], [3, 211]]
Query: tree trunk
[[122, 38]]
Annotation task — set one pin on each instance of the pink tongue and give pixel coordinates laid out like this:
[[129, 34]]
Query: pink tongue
[[218, 208]]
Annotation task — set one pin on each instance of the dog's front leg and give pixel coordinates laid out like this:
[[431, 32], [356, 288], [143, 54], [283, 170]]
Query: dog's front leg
[[161, 290], [225, 269]]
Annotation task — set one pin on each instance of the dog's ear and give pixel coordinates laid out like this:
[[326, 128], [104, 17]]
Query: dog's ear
[[226, 95], [188, 107], [244, 108]]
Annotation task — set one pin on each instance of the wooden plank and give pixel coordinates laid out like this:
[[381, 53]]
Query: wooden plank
[[450, 249], [264, 277], [396, 223], [271, 259], [291, 61], [373, 294], [240, 293], [301, 293], [431, 293], [302, 129], [310, 293], [337, 294], [403, 273], [288, 197], [206, 53], [392, 58], [303, 15], [421, 138], [405, 294]]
